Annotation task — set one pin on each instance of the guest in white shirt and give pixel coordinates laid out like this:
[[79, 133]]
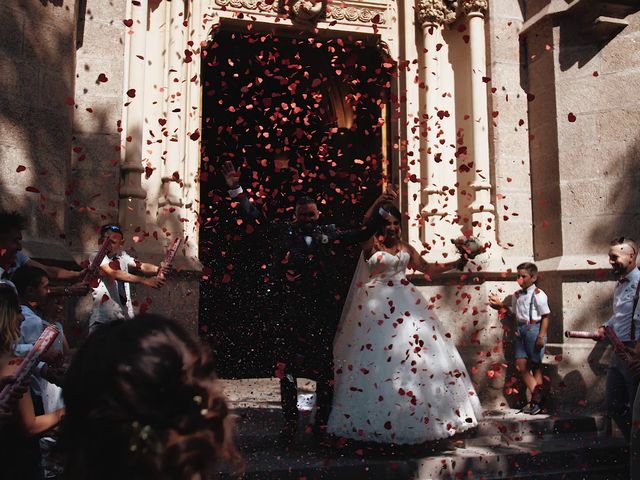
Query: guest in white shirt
[[621, 384], [112, 295]]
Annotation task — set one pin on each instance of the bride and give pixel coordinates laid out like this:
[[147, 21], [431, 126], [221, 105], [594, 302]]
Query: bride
[[397, 377]]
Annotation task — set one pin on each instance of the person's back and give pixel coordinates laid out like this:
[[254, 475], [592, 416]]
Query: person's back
[[143, 403]]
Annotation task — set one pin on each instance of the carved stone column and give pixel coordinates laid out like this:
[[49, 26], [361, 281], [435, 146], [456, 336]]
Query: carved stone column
[[172, 174], [482, 208], [132, 195], [439, 174], [410, 146]]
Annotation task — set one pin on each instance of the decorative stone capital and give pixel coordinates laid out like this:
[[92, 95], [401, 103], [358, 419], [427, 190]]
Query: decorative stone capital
[[439, 12], [475, 6], [306, 11]]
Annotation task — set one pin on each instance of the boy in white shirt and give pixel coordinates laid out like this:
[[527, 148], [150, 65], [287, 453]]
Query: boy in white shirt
[[112, 295], [530, 307]]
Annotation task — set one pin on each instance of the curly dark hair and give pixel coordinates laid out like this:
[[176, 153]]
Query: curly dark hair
[[142, 402]]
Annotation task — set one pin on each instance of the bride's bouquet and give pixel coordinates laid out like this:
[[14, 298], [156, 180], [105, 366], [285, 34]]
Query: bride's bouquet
[[469, 248]]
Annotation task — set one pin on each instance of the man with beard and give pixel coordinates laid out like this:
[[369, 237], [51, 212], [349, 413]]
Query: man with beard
[[621, 384], [301, 276]]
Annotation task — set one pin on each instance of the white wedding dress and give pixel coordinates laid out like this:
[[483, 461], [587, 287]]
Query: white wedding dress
[[398, 379]]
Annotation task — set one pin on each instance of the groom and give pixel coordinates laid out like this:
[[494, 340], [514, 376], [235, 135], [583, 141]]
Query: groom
[[303, 252]]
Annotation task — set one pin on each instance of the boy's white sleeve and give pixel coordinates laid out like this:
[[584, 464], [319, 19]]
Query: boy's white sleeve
[[542, 303], [105, 261], [131, 261]]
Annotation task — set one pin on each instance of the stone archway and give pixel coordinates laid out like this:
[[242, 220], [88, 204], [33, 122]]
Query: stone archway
[[317, 101]]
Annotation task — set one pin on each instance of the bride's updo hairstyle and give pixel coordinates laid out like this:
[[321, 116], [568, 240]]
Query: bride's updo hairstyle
[[142, 402]]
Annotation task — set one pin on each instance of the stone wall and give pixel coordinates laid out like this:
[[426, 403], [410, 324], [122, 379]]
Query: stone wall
[[95, 161], [584, 146], [37, 65]]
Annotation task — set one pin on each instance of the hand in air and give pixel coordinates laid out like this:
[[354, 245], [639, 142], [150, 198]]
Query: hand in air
[[231, 174], [494, 301], [389, 195]]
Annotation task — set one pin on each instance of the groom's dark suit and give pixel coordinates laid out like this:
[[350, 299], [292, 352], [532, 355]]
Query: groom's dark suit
[[305, 289]]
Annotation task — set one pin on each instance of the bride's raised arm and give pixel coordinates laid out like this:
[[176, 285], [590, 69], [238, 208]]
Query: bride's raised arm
[[416, 262], [389, 195]]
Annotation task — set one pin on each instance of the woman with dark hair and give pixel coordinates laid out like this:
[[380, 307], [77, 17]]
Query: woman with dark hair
[[143, 403], [19, 455], [398, 379]]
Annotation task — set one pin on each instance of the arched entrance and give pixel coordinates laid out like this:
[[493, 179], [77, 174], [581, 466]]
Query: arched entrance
[[269, 99]]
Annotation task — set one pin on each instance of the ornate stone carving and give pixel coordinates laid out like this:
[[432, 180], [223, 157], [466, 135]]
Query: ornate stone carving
[[437, 11], [260, 5], [470, 6], [308, 11], [354, 14]]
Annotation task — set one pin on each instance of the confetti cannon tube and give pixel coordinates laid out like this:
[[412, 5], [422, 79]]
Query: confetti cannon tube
[[29, 362], [171, 254], [93, 272], [581, 334], [609, 333]]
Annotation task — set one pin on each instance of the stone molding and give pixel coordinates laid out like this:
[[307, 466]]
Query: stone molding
[[310, 11], [260, 5], [475, 6], [307, 11], [354, 14], [440, 12]]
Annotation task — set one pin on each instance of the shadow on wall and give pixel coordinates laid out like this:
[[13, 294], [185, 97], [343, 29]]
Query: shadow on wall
[[37, 162], [37, 65], [623, 198], [617, 175]]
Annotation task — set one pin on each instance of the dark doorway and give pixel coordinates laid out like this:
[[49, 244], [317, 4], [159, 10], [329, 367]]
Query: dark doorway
[[268, 99]]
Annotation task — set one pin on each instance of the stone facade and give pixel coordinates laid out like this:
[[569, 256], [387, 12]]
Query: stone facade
[[100, 121]]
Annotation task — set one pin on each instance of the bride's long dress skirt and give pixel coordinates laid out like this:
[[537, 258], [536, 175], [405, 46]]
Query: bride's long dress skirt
[[398, 379]]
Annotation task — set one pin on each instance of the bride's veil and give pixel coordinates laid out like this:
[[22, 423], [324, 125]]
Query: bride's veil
[[345, 332]]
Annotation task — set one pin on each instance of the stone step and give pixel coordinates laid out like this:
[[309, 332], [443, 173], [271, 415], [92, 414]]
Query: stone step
[[260, 425], [505, 445], [599, 458]]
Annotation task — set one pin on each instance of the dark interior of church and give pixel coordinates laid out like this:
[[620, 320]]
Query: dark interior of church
[[299, 116]]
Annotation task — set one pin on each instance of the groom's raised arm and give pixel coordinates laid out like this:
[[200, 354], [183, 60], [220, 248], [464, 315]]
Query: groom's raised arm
[[232, 178]]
